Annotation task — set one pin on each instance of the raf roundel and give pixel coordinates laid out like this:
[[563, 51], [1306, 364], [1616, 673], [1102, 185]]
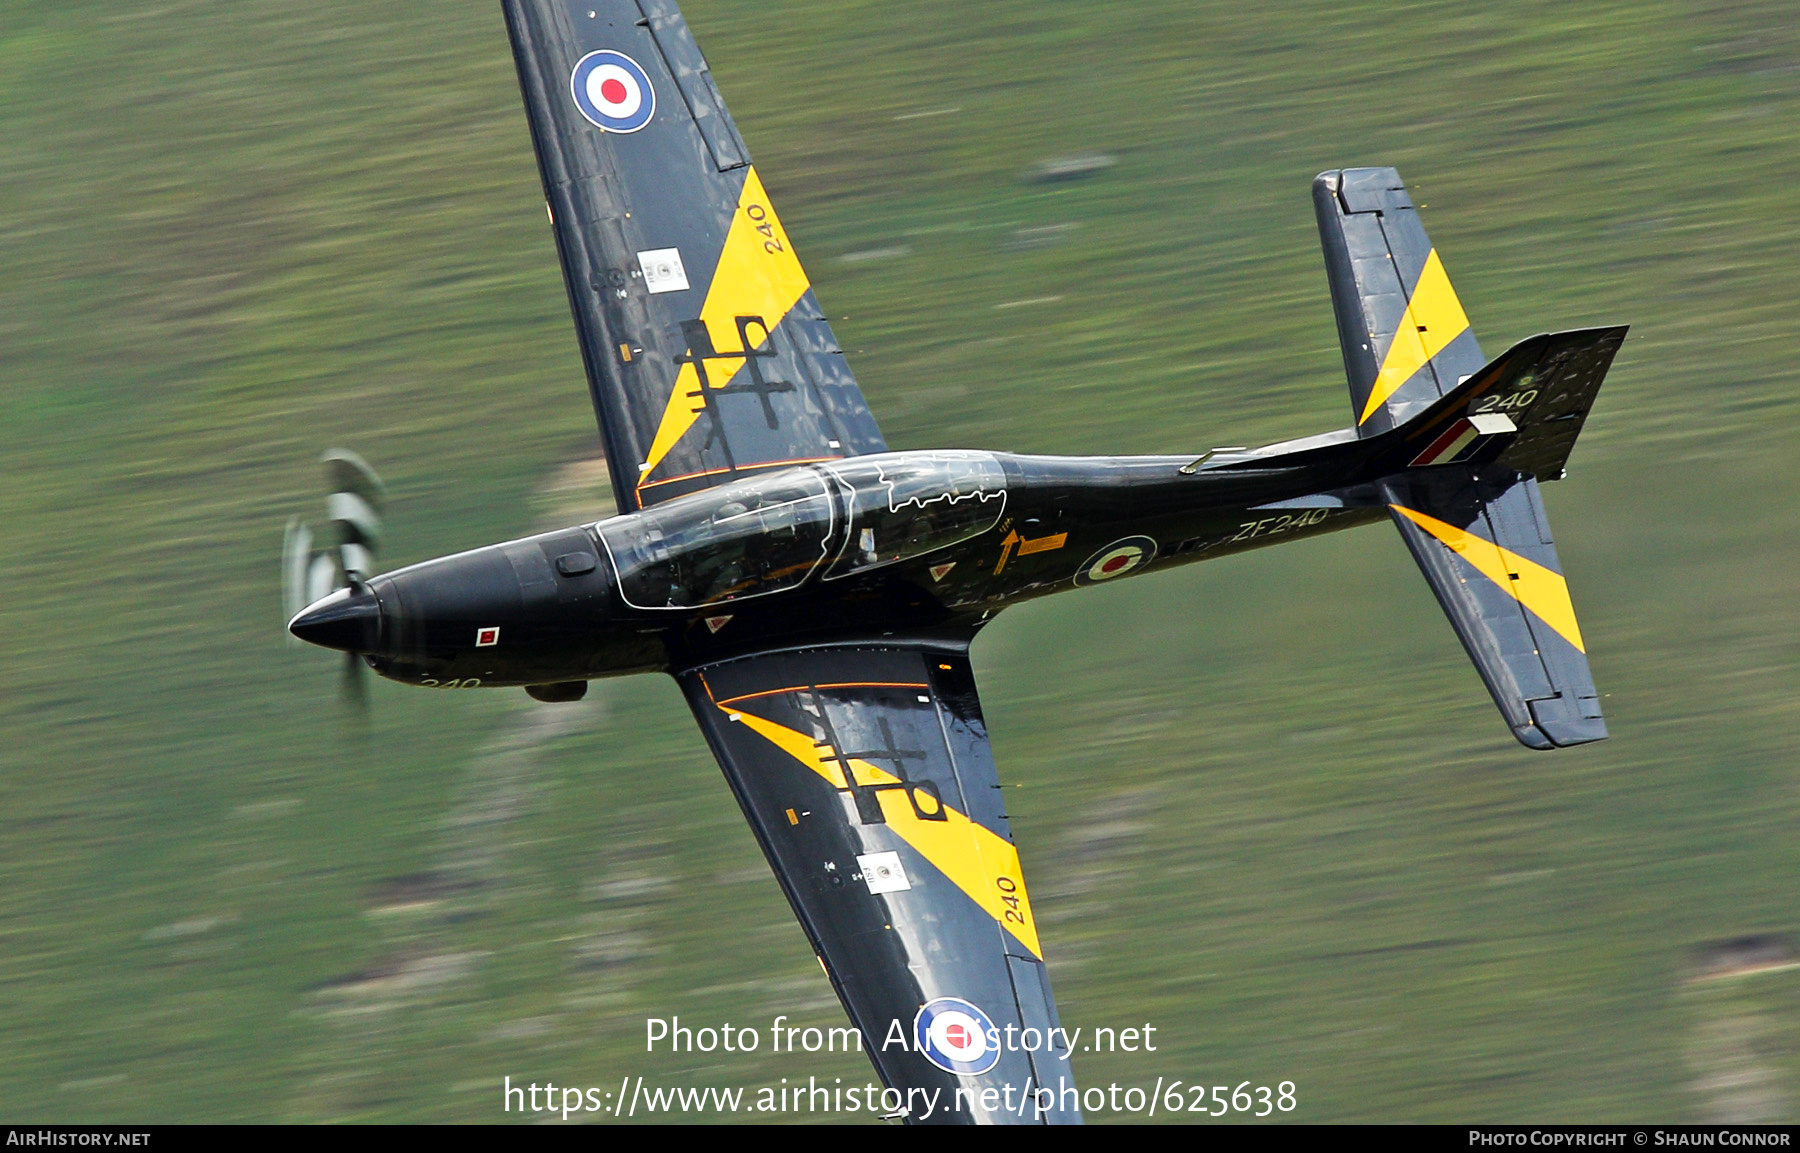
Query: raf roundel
[[1116, 560], [956, 1036], [613, 91]]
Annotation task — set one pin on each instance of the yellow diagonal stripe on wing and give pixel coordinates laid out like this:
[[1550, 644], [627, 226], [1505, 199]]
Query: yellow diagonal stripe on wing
[[1544, 592], [1434, 308], [758, 275], [974, 857]]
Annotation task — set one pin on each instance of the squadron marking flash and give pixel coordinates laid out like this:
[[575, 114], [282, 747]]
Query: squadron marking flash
[[815, 595]]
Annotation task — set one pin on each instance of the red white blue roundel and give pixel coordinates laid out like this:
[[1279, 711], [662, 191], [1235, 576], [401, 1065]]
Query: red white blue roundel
[[956, 1036], [1117, 559], [613, 91]]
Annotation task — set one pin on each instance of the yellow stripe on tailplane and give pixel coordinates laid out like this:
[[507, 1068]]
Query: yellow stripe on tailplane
[[1539, 589], [973, 856], [758, 275], [1434, 318]]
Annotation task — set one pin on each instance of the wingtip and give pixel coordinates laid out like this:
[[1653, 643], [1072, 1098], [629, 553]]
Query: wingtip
[[1561, 737], [1533, 738]]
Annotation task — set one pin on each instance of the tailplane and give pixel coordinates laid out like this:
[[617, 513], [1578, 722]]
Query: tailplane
[[1482, 539], [1405, 338]]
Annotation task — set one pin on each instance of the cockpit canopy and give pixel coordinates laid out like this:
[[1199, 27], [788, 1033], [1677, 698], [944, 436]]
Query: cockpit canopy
[[745, 539], [769, 533], [906, 504]]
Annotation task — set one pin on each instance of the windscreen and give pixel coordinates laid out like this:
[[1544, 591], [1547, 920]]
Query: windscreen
[[907, 504], [739, 540]]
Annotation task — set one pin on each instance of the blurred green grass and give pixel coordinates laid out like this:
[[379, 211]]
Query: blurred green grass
[[1263, 804]]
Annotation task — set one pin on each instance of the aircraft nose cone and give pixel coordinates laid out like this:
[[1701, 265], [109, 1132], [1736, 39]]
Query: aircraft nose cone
[[348, 620]]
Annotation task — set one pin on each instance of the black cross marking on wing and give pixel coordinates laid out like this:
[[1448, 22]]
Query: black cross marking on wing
[[700, 350], [868, 797]]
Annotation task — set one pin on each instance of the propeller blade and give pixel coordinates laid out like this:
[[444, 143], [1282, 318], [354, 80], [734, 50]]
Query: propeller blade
[[296, 557], [321, 578], [354, 505], [354, 688]]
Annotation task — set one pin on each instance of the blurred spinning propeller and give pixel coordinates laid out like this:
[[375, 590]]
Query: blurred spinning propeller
[[342, 554]]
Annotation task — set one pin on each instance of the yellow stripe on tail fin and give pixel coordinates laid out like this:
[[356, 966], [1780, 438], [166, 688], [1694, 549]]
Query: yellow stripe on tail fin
[[1405, 337]]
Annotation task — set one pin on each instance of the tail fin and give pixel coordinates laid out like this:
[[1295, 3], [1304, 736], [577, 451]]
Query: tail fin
[[1522, 412], [1455, 450], [1405, 337], [1466, 445], [1460, 480]]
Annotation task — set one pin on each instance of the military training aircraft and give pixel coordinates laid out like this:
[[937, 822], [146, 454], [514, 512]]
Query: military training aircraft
[[815, 595]]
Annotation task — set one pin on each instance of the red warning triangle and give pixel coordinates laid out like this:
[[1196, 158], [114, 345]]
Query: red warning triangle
[[940, 571], [717, 623]]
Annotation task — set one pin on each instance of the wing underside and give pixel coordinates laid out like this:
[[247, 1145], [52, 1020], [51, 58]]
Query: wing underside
[[707, 354], [866, 776]]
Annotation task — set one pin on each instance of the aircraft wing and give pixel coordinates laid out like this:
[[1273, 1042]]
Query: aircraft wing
[[866, 776], [707, 354]]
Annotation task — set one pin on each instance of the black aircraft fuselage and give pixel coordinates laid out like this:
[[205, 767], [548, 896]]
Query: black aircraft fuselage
[[925, 546]]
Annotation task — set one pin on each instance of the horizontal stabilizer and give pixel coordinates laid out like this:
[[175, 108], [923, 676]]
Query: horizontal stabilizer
[[1405, 337], [1483, 541]]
